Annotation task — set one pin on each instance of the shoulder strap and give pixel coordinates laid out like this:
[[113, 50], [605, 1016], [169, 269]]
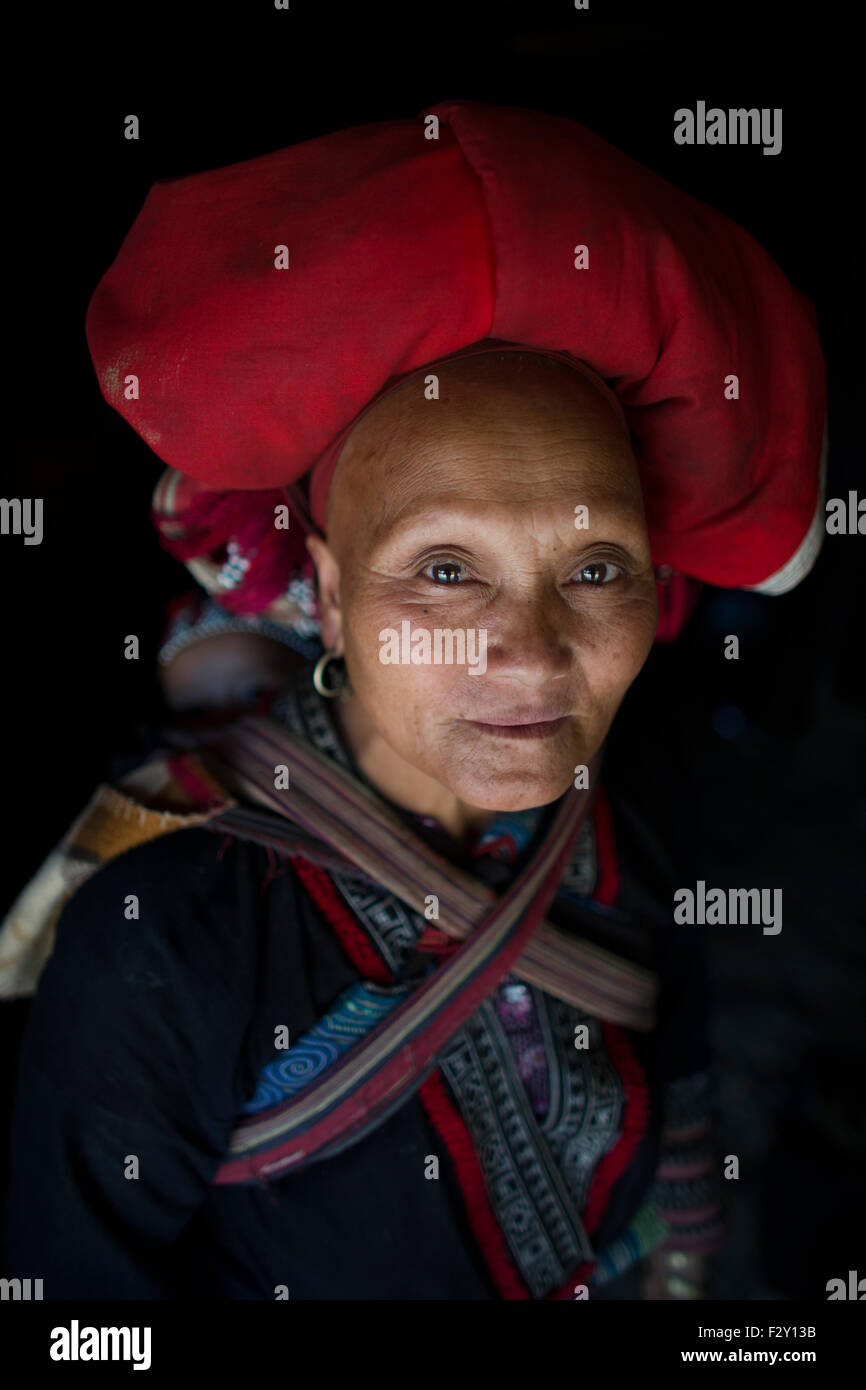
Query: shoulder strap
[[328, 803], [368, 1083]]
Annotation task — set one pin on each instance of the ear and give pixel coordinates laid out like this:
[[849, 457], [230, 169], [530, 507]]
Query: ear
[[328, 574]]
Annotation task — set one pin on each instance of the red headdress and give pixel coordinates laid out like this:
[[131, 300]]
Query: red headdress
[[408, 241]]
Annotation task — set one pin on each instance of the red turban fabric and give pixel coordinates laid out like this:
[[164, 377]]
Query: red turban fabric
[[403, 249]]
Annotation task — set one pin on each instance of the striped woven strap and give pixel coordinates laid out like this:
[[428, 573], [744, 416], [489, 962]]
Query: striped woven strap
[[335, 807], [370, 1081]]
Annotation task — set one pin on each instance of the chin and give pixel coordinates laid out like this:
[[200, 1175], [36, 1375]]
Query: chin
[[507, 791]]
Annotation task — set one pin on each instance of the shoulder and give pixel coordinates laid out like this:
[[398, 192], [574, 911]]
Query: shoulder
[[154, 957], [191, 860], [188, 948], [179, 882]]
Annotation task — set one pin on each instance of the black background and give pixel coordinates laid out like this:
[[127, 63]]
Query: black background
[[772, 744]]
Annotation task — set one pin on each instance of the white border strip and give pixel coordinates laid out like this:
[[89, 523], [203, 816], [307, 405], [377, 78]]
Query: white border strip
[[804, 557]]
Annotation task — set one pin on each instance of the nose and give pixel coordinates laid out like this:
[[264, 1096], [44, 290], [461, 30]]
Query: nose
[[528, 639]]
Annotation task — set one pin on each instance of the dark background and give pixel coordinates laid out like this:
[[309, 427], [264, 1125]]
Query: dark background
[[772, 744]]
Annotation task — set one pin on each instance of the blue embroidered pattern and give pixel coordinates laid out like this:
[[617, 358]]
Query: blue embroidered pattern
[[354, 1014], [508, 834]]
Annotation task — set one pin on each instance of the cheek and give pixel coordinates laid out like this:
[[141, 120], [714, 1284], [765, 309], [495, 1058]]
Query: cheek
[[616, 646], [399, 697]]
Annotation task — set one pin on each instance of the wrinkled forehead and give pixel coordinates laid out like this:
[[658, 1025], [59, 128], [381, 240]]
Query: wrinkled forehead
[[494, 429], [495, 358]]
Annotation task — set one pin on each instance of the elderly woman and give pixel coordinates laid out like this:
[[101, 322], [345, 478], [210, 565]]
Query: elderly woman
[[375, 992]]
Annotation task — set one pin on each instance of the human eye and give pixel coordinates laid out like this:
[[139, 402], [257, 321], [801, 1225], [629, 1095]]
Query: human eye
[[444, 572], [598, 573]]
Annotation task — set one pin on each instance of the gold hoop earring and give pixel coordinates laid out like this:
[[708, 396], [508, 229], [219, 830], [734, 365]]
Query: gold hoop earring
[[328, 692]]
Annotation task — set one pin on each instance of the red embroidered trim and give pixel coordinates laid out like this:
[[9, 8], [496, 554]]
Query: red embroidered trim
[[348, 931], [607, 884], [448, 1123], [634, 1125]]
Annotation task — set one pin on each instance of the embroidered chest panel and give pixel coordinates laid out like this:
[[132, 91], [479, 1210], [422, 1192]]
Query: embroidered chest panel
[[537, 1168]]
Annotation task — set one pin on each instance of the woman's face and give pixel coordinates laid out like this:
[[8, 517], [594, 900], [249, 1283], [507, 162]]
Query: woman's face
[[458, 516]]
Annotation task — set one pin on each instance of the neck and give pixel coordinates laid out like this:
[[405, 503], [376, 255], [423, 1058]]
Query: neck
[[399, 781]]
